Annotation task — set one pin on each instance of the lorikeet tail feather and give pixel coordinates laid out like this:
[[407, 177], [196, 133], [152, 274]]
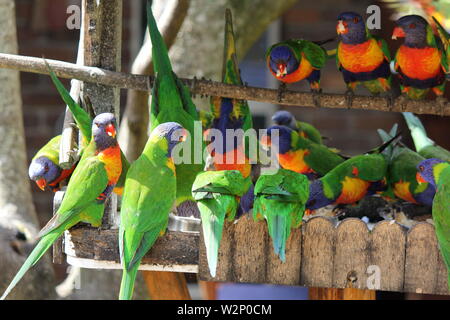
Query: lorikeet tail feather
[[127, 284], [279, 230], [160, 54], [418, 131], [213, 217], [42, 246], [82, 118]]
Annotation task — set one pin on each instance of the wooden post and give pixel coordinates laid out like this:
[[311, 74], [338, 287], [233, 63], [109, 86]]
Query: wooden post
[[102, 48]]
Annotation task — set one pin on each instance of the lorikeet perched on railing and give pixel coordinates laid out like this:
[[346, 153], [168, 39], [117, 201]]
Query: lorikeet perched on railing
[[437, 173], [420, 62], [300, 154], [217, 194], [426, 147], [91, 184], [362, 57], [280, 199], [230, 114], [145, 212], [172, 102], [401, 174]]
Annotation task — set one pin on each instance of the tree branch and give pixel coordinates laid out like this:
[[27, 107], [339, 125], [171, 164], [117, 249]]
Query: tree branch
[[214, 88]]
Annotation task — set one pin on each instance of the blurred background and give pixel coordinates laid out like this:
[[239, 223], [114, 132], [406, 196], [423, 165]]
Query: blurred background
[[42, 32]]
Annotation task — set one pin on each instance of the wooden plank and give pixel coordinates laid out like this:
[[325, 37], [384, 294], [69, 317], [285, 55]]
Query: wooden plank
[[318, 238], [166, 285], [250, 240], [351, 257], [174, 248], [225, 261], [387, 256], [288, 272], [340, 294], [422, 254]]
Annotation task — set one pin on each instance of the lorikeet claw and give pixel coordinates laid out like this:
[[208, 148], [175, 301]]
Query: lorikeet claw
[[340, 210], [316, 96], [281, 90], [349, 95]]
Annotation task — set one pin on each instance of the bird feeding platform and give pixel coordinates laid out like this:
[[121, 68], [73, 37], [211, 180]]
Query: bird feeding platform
[[321, 253]]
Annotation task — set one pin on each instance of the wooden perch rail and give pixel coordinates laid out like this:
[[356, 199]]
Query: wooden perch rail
[[214, 88]]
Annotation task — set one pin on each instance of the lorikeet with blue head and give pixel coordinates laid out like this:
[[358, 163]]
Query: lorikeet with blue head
[[304, 129], [230, 114], [348, 183], [300, 154], [145, 213], [362, 57], [420, 62], [437, 173], [295, 60], [91, 184], [45, 169], [172, 102], [83, 121], [217, 194], [401, 174], [426, 147], [280, 199]]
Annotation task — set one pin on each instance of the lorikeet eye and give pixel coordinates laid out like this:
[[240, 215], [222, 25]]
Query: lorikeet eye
[[355, 19], [46, 168], [412, 26], [421, 168]]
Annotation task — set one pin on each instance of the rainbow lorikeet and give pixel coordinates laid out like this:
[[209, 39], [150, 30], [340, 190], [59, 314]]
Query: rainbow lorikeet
[[426, 147], [347, 183], [281, 198], [300, 154], [217, 194], [304, 129], [362, 57], [230, 114], [145, 213], [420, 62], [437, 173], [90, 185], [401, 174], [44, 167], [172, 102], [84, 123], [295, 60]]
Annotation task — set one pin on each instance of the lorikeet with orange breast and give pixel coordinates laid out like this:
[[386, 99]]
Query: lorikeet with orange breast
[[230, 114], [362, 57], [45, 169], [91, 184], [401, 174], [300, 154], [295, 60], [420, 62]]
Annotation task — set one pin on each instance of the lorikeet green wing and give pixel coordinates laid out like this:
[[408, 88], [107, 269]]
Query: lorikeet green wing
[[217, 194], [145, 213], [89, 187], [171, 101], [280, 199]]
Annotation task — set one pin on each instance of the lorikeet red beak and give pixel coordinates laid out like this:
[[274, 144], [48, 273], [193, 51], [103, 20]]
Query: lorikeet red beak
[[419, 178], [341, 27], [41, 183], [111, 130], [398, 33], [281, 72]]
